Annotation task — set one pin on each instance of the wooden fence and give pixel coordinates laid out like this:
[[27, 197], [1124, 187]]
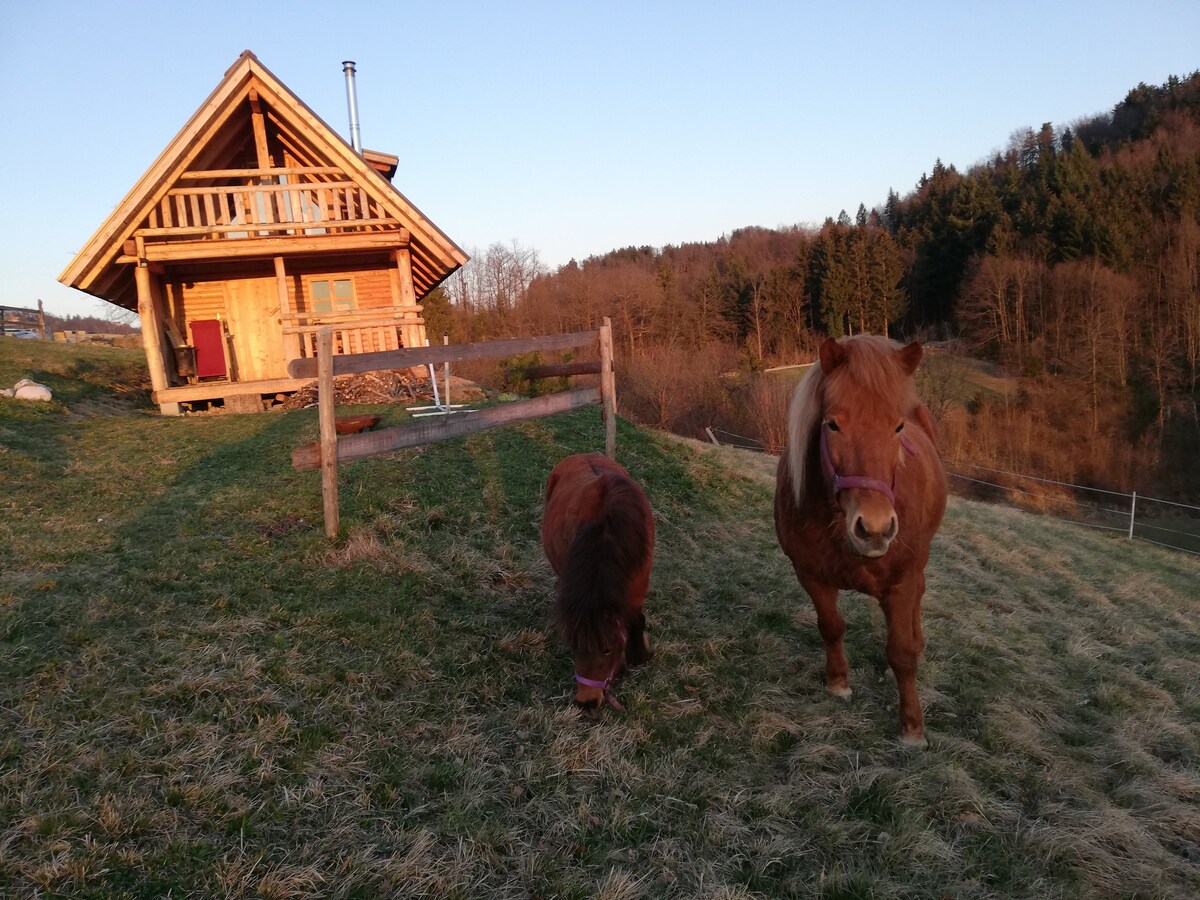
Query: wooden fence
[[331, 448]]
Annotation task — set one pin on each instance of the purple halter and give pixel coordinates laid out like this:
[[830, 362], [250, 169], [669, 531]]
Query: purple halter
[[843, 482], [609, 697]]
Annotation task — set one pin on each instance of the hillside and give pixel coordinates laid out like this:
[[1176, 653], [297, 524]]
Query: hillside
[[1070, 258], [201, 696], [85, 379]]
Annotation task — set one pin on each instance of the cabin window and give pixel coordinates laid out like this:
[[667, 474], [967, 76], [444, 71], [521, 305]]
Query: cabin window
[[330, 295]]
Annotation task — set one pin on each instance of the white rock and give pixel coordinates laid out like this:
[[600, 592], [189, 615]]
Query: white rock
[[25, 389]]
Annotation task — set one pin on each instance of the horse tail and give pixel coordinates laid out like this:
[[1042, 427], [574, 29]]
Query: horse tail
[[605, 555]]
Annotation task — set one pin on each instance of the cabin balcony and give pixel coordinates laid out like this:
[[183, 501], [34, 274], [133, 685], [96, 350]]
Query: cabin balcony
[[223, 207]]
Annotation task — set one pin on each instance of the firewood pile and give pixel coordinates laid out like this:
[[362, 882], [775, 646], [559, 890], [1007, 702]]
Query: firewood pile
[[369, 387]]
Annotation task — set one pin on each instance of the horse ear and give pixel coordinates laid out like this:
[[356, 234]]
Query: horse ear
[[832, 354], [910, 357]]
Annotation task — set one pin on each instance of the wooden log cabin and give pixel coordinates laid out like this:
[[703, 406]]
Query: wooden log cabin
[[254, 228]]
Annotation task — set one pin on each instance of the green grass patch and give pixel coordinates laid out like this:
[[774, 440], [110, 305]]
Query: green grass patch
[[201, 696]]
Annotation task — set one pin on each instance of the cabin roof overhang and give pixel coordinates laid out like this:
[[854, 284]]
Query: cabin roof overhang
[[104, 267]]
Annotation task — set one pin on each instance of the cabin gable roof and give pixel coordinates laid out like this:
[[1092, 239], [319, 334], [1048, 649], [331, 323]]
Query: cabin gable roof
[[220, 136]]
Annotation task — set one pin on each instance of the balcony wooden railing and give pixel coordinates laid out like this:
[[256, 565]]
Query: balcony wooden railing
[[261, 202], [355, 331]]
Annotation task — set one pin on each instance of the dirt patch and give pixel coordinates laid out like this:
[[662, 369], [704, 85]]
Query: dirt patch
[[114, 405]]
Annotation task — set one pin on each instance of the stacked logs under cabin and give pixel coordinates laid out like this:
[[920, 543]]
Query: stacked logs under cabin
[[368, 387], [257, 226]]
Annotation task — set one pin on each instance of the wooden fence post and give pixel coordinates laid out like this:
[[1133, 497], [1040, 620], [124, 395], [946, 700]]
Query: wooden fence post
[[608, 389], [326, 401]]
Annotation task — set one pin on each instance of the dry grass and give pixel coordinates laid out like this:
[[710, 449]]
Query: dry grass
[[200, 697]]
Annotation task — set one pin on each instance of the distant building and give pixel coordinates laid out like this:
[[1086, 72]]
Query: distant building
[[254, 228], [19, 322]]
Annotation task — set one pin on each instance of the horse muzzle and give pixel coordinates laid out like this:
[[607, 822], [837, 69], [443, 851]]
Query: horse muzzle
[[592, 694], [870, 536]]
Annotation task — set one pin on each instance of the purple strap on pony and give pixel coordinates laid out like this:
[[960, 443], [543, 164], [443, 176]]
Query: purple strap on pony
[[843, 482], [609, 698]]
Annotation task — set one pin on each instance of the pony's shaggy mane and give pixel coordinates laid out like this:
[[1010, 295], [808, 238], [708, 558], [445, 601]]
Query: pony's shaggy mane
[[604, 556], [872, 369]]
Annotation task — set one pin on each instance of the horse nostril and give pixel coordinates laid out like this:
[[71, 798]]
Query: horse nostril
[[892, 529], [860, 530]]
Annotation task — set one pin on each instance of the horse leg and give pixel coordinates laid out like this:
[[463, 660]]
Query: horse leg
[[833, 629], [637, 641], [905, 643]]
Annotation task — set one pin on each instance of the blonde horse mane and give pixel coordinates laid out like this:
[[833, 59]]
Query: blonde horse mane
[[871, 368], [804, 416]]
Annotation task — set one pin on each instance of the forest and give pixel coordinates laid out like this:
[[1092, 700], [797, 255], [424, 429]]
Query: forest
[[1069, 263]]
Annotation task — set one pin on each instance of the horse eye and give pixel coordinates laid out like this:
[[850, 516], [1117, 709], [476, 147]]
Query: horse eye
[[899, 428], [833, 426]]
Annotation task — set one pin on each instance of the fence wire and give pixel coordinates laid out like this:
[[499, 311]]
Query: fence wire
[[1132, 516]]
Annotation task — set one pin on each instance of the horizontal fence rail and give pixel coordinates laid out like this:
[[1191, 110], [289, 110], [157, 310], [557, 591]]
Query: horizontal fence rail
[[410, 357], [372, 443], [329, 450]]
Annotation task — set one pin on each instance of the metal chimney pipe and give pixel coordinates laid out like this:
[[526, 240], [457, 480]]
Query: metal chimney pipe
[[352, 101]]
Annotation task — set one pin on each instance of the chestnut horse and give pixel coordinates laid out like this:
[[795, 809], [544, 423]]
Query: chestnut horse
[[598, 533], [859, 494]]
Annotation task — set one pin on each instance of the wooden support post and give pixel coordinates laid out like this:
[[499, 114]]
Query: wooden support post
[[397, 302], [151, 328], [608, 389], [291, 342], [325, 412], [413, 324]]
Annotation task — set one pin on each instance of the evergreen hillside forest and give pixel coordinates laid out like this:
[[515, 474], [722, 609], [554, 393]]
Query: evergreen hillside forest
[[1070, 262]]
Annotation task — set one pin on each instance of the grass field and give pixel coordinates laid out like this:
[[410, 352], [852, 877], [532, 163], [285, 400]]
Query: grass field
[[200, 696]]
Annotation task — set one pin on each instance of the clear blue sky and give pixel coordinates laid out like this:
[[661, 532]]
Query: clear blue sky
[[570, 127]]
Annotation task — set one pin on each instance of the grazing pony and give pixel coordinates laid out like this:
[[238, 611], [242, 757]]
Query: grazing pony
[[859, 494], [598, 533]]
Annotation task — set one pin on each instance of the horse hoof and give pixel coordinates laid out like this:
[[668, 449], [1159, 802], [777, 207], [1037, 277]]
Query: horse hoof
[[843, 691], [916, 741]]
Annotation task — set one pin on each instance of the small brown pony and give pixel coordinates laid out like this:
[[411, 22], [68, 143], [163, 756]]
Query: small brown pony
[[859, 494], [598, 533]]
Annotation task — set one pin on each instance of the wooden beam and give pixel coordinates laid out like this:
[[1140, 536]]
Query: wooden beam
[[260, 133], [344, 326], [151, 329], [326, 403], [412, 330], [327, 225], [420, 356], [178, 251], [255, 189], [270, 171], [212, 390], [608, 389], [291, 345], [388, 440], [352, 317]]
